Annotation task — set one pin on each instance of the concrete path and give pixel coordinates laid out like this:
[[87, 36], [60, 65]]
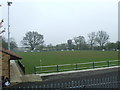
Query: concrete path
[[106, 77], [31, 78], [17, 76]]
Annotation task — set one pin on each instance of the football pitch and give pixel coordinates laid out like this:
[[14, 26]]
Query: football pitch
[[31, 59]]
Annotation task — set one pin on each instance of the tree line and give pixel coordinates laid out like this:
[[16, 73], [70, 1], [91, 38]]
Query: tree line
[[96, 41], [4, 42]]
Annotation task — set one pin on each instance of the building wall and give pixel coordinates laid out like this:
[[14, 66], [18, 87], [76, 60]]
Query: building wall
[[5, 65]]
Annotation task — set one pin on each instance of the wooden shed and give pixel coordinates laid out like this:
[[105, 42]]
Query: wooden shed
[[6, 56]]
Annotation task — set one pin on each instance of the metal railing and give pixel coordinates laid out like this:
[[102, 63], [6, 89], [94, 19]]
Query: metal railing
[[103, 82], [21, 66], [78, 66]]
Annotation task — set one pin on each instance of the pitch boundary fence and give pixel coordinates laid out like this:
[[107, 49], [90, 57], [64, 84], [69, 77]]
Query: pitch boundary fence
[[73, 67]]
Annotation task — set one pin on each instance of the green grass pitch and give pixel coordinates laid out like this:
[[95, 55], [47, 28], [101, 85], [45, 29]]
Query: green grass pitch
[[31, 59]]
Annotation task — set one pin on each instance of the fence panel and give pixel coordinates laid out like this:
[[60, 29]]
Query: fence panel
[[103, 82]]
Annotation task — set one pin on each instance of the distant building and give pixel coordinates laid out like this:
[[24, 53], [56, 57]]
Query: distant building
[[22, 49]]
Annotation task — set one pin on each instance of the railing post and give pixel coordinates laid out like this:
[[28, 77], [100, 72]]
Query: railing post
[[118, 62], [71, 68], [76, 67], [24, 69], [34, 70], [57, 68], [108, 63], [93, 65]]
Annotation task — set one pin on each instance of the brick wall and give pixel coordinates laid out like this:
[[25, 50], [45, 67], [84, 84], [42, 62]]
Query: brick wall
[[5, 65]]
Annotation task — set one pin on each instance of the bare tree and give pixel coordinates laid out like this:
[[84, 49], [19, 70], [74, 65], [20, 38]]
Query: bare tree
[[79, 41], [91, 40], [32, 39], [102, 38]]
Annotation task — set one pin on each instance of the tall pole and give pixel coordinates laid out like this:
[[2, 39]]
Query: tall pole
[[8, 31], [9, 3]]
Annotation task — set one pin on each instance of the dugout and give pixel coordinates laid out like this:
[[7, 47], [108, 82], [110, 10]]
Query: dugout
[[5, 57]]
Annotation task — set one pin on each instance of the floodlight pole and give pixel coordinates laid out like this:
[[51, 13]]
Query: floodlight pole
[[9, 4]]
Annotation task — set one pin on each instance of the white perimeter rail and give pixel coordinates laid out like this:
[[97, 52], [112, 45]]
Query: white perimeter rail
[[78, 66]]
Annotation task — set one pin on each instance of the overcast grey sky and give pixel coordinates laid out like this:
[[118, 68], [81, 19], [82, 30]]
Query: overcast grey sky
[[60, 20]]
